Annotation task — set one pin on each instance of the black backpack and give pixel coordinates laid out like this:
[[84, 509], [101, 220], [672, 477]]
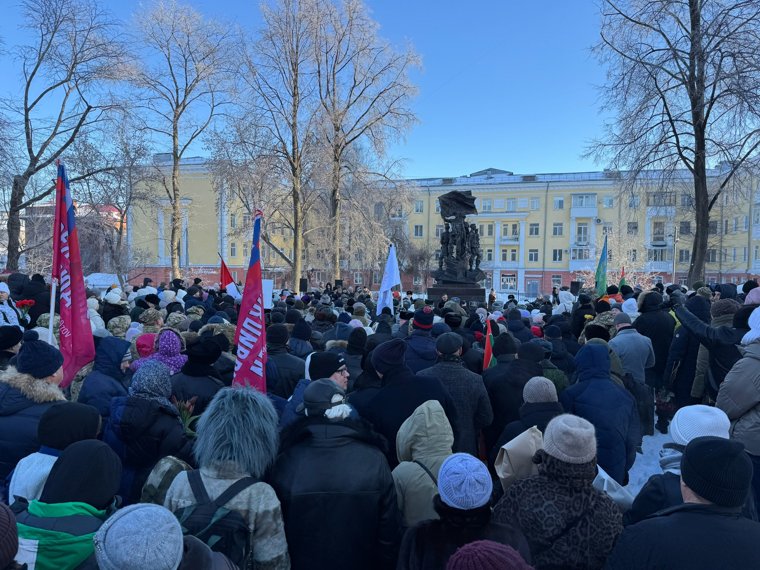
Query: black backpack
[[222, 529]]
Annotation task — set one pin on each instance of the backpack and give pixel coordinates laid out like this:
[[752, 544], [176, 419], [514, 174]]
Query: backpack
[[221, 529]]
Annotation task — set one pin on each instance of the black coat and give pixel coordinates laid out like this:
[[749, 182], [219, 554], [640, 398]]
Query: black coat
[[40, 294], [561, 358], [520, 331], [199, 381], [429, 545], [681, 365], [344, 514], [110, 311], [537, 414], [578, 319], [658, 325], [290, 369], [695, 537]]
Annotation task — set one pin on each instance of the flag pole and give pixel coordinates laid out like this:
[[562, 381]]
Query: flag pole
[[53, 287], [233, 281]]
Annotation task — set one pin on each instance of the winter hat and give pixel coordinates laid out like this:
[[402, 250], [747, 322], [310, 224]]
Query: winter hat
[[570, 439], [277, 317], [753, 297], [552, 331], [194, 325], [92, 303], [487, 555], [531, 351], [360, 309], [357, 340], [453, 320], [113, 297], [749, 284], [621, 319], [8, 536], [118, 326], [753, 335], [723, 307], [602, 306], [584, 299], [705, 292], [10, 336], [292, 316], [277, 334], [389, 354], [152, 298], [440, 328], [698, 420], [206, 351], [67, 422], [423, 318], [37, 358], [448, 343], [301, 330], [319, 396], [140, 536], [325, 364], [464, 482], [538, 390], [630, 307], [514, 315], [174, 320], [504, 344], [150, 317], [717, 470]]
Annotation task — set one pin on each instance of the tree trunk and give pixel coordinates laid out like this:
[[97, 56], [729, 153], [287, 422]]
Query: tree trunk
[[335, 214], [702, 218], [14, 220], [176, 205], [297, 257]]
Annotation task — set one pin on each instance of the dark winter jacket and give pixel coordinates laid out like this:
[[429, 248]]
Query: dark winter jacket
[[290, 369], [681, 365], [505, 392], [23, 400], [568, 524], [561, 358], [655, 323], [224, 368], [343, 515], [5, 358], [420, 351], [196, 381], [401, 394], [141, 432], [537, 414], [498, 370], [578, 319], [198, 302], [696, 537], [469, 396], [429, 545], [110, 311], [40, 294], [519, 330], [609, 407], [106, 381]]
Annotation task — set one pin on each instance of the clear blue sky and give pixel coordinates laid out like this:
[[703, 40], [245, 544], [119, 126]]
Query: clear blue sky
[[504, 83]]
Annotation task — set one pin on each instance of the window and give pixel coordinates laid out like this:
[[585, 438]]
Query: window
[[535, 203], [608, 202], [634, 201], [358, 278], [725, 227], [481, 230], [559, 202], [746, 223], [733, 257], [684, 255], [417, 280], [687, 201], [556, 255], [656, 254], [607, 229], [744, 253], [233, 221], [489, 255], [246, 219], [532, 255], [580, 254], [558, 229], [245, 250], [418, 230], [515, 230], [487, 205], [661, 199], [438, 230], [633, 228], [511, 205], [233, 249], [658, 231], [533, 229], [584, 200], [437, 207], [489, 230], [376, 277], [512, 255], [736, 224], [684, 228], [712, 229], [724, 254], [581, 232], [757, 252], [556, 280], [712, 255], [418, 206], [504, 254], [508, 281], [632, 255]]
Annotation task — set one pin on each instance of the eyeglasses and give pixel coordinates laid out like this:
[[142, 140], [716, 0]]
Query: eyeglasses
[[342, 370]]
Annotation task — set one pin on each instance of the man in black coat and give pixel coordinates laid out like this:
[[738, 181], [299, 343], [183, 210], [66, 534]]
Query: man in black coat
[[198, 379], [517, 327], [578, 319], [289, 369], [708, 530], [658, 325]]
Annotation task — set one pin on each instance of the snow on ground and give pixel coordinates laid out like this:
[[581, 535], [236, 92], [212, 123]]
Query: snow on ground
[[647, 464]]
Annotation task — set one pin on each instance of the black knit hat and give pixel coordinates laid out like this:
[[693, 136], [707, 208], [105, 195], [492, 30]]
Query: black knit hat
[[389, 354], [8, 536], [552, 331], [37, 358], [531, 351], [301, 330], [504, 344], [423, 318], [10, 336], [205, 351], [277, 334], [357, 340], [325, 364], [718, 470], [67, 422], [292, 316]]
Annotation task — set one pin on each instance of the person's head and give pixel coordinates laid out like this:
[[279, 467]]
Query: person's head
[[324, 398], [118, 326], [238, 431], [277, 335], [464, 482], [597, 331], [423, 318], [5, 291], [152, 318], [140, 536], [612, 290], [193, 291], [570, 439], [552, 332], [715, 471], [539, 389], [151, 381], [504, 344], [602, 306], [87, 471], [388, 355], [487, 555], [204, 352], [449, 345], [40, 360], [10, 339], [8, 539], [691, 422], [531, 351], [65, 423], [330, 365], [622, 321]]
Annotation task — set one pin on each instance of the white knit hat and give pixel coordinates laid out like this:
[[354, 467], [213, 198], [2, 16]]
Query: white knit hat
[[464, 482], [698, 420], [570, 439], [539, 389]]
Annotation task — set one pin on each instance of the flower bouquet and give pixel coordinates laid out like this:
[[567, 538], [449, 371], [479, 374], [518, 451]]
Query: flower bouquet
[[24, 305]]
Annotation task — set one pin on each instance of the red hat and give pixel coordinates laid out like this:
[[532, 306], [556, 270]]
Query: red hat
[[423, 318]]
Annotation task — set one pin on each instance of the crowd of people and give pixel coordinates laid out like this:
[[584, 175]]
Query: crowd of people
[[434, 434]]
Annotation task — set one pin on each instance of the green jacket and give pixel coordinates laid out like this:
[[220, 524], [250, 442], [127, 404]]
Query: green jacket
[[57, 536]]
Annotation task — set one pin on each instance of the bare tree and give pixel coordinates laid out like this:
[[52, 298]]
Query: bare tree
[[185, 73], [683, 79], [364, 92], [74, 53]]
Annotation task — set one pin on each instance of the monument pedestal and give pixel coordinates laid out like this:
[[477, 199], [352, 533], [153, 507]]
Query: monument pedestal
[[470, 293]]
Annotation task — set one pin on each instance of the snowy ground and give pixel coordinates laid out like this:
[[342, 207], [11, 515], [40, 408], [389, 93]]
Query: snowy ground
[[647, 464]]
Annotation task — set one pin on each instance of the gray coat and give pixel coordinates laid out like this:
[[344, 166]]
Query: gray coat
[[635, 351], [739, 397], [470, 399]]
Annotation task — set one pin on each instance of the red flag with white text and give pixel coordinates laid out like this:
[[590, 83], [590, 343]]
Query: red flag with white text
[[250, 335], [76, 342]]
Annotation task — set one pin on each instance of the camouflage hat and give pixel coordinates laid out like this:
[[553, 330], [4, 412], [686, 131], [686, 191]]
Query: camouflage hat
[[175, 320], [227, 329], [195, 313], [150, 317], [118, 326], [44, 321]]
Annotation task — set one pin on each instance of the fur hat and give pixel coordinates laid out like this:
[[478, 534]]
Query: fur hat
[[570, 439], [464, 482], [538, 390], [695, 421], [718, 470]]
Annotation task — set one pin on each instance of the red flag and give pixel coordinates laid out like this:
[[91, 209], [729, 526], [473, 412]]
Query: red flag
[[488, 359], [250, 335], [225, 277], [76, 343]]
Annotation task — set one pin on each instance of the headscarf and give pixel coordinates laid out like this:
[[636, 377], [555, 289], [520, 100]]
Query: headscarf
[[753, 335], [169, 346], [153, 382], [753, 297]]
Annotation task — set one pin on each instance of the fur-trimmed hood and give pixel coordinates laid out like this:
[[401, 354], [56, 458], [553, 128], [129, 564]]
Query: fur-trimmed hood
[[341, 345], [19, 391]]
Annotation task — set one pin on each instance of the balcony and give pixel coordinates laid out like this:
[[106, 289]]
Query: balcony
[[584, 212], [510, 239]]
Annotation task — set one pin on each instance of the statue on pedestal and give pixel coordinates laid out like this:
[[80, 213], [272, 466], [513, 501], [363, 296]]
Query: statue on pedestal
[[460, 256]]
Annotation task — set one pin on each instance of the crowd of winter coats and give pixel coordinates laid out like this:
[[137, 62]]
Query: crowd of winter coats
[[430, 435]]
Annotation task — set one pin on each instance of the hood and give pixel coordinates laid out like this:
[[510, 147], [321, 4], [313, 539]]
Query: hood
[[109, 355], [699, 307], [169, 343], [566, 298], [19, 391], [592, 361], [650, 301], [727, 290], [426, 433]]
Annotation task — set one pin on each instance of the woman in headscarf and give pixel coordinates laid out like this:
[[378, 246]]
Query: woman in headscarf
[[56, 531], [145, 426]]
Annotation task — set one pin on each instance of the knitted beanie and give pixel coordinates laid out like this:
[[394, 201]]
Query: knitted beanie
[[37, 358], [10, 336], [718, 470], [570, 439], [277, 334], [487, 555], [301, 330], [539, 389], [423, 318], [8, 536], [724, 307], [464, 482], [448, 343], [389, 354], [504, 344], [691, 422], [139, 536]]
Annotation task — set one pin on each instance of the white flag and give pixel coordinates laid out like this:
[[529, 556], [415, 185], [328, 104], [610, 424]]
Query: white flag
[[391, 278]]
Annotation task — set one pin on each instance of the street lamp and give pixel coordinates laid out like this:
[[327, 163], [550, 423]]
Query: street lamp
[[674, 235]]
